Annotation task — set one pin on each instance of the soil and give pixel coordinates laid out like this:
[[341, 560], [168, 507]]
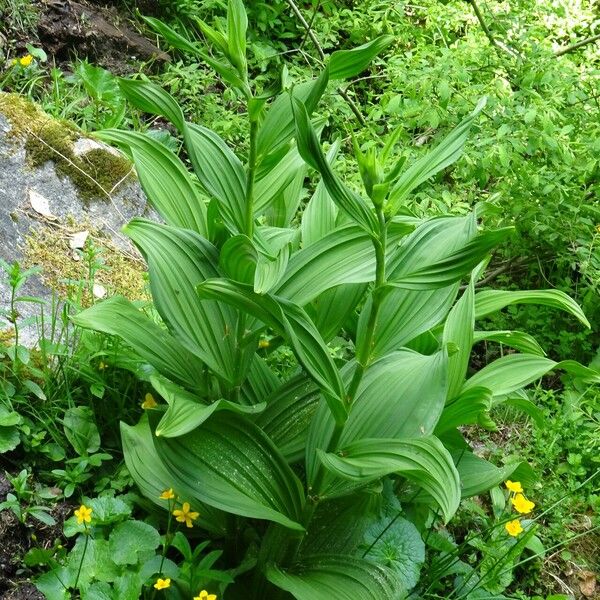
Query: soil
[[16, 539], [100, 32]]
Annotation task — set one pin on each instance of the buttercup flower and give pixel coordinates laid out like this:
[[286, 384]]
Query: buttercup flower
[[514, 527], [25, 61], [167, 494], [204, 595], [514, 486], [263, 343], [102, 365], [522, 505], [83, 514], [149, 401], [162, 584], [185, 515]]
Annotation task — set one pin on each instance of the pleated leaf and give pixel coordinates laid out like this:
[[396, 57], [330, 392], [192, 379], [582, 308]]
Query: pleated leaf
[[152, 476], [335, 307], [232, 465], [453, 267], [519, 340], [478, 475], [186, 411], [178, 260], [401, 395], [151, 98], [294, 324], [464, 410], [118, 316], [164, 179], [346, 255], [219, 171], [287, 416], [238, 259], [310, 150], [490, 301], [423, 461], [328, 577], [514, 371], [344, 64], [458, 332], [444, 154]]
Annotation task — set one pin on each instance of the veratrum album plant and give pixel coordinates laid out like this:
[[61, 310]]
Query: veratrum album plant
[[299, 479]]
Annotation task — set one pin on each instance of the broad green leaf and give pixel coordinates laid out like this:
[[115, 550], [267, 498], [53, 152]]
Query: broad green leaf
[[444, 154], [81, 431], [260, 383], [151, 98], [404, 315], [458, 331], [423, 461], [278, 127], [293, 323], [186, 411], [238, 259], [518, 340], [152, 476], [324, 577], [164, 179], [465, 409], [237, 24], [451, 268], [190, 48], [219, 171], [118, 316], [490, 301], [344, 64], [9, 438], [346, 255], [396, 543], [272, 185], [320, 214], [401, 396], [310, 150], [478, 475], [529, 408], [178, 260], [130, 539], [289, 411], [514, 371], [232, 465], [334, 308]]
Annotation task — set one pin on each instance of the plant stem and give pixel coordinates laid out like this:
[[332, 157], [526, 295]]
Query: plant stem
[[362, 363], [85, 545], [250, 178]]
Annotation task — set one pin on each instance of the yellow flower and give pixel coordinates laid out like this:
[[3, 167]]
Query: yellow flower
[[521, 504], [162, 584], [514, 527], [185, 515], [204, 595], [102, 365], [514, 486], [149, 401], [167, 494], [263, 343], [83, 514], [25, 61]]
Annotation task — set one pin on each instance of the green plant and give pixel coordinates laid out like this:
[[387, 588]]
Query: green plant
[[22, 502], [117, 556], [277, 468]]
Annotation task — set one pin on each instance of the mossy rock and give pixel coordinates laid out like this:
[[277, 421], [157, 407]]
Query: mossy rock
[[94, 173]]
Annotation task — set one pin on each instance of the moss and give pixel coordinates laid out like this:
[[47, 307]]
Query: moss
[[94, 173], [48, 247]]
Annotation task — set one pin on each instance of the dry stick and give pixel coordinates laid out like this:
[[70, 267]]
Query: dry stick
[[498, 45], [317, 45], [584, 42]]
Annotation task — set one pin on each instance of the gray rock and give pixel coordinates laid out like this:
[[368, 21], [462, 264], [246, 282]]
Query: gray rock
[[65, 201]]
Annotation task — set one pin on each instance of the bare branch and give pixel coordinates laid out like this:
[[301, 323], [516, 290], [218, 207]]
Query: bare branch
[[578, 45]]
